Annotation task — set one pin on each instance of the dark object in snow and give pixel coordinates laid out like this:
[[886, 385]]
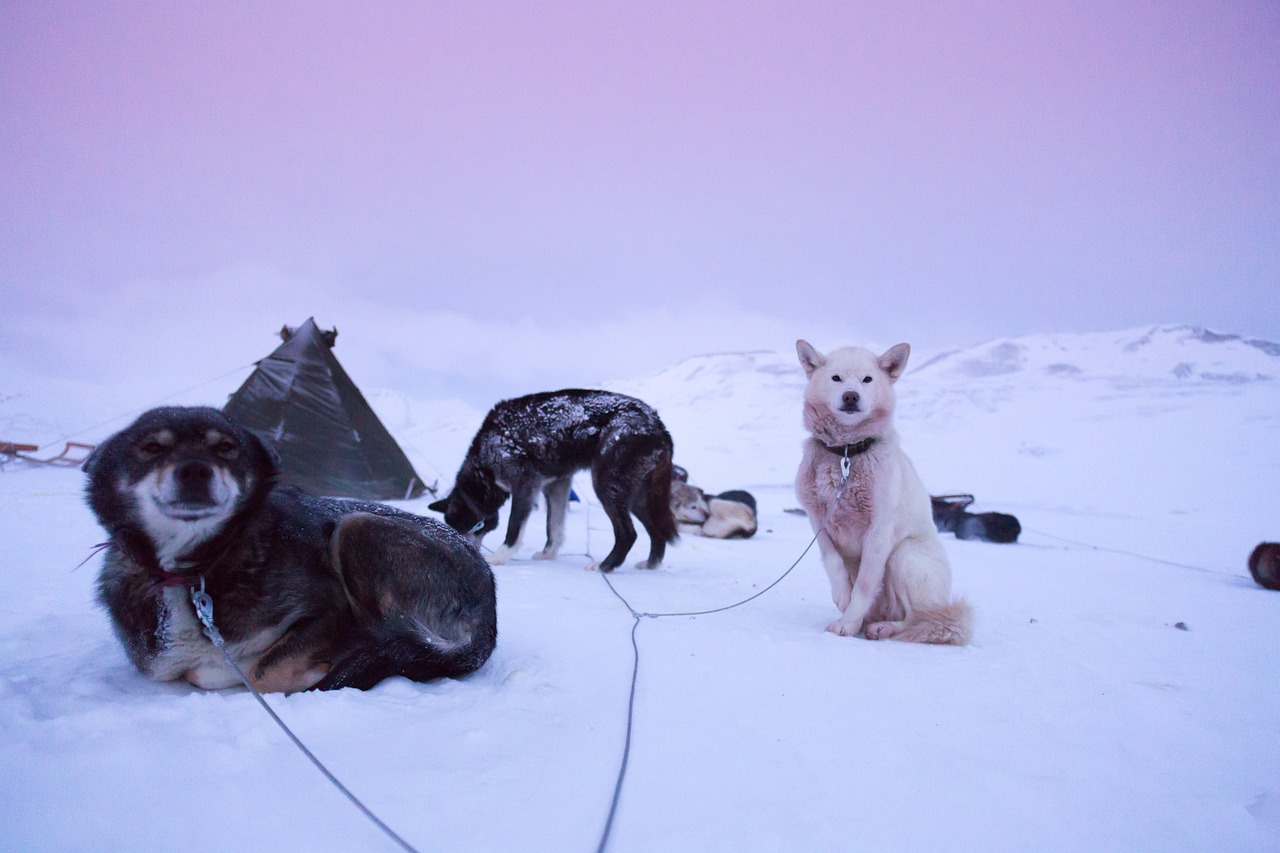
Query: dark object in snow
[[1264, 564], [728, 515], [307, 592], [538, 442], [950, 516], [1181, 626], [302, 403]]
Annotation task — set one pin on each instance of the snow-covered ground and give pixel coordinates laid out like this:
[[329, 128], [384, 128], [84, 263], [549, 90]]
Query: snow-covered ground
[[1120, 693]]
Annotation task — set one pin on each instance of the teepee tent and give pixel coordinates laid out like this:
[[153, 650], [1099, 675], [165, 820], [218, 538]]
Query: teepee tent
[[301, 402]]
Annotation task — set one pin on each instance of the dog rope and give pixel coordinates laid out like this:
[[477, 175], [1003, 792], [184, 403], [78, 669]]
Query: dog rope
[[204, 609], [846, 465]]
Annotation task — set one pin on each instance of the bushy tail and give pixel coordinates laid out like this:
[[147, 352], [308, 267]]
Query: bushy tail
[[950, 625], [403, 650], [658, 500]]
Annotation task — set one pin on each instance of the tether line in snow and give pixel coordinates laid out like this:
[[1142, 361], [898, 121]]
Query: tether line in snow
[[1124, 553], [636, 616]]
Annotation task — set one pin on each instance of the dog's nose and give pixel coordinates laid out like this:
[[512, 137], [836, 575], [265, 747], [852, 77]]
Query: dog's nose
[[193, 480], [850, 399]]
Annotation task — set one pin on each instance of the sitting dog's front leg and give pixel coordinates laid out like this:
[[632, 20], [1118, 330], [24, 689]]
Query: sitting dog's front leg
[[837, 572], [866, 586]]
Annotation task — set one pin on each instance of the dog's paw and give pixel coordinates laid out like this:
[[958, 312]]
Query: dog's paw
[[500, 556], [882, 630], [545, 555], [645, 564], [842, 628], [842, 599]]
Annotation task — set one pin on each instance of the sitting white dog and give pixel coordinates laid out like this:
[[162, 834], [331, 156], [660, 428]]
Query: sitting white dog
[[889, 573]]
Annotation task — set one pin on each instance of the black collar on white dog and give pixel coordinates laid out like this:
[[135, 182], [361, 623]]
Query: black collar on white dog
[[855, 449]]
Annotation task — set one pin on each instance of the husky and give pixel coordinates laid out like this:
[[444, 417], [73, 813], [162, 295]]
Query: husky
[[536, 443], [728, 515], [307, 592], [1264, 564], [870, 513], [950, 515]]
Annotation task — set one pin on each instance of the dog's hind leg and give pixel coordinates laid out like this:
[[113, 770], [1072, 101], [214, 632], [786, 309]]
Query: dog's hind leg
[[615, 498], [651, 503], [424, 602], [557, 494]]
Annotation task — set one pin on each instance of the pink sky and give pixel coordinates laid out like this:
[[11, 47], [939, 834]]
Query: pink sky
[[942, 172]]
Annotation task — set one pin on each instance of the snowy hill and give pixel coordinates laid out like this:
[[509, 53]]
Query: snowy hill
[[1119, 693]]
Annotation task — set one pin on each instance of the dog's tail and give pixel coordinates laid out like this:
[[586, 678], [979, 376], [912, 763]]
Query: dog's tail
[[949, 625], [657, 499], [405, 649]]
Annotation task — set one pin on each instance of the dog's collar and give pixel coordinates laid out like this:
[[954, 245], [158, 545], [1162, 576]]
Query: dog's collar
[[161, 578], [855, 449]]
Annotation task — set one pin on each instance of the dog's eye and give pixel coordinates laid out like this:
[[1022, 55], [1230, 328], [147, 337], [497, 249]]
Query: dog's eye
[[836, 378], [151, 448], [475, 528], [226, 449], [866, 379]]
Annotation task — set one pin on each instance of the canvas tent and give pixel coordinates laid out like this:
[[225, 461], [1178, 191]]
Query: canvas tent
[[302, 403]]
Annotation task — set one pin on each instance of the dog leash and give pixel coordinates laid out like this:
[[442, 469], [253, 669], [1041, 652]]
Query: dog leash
[[204, 609], [846, 465]]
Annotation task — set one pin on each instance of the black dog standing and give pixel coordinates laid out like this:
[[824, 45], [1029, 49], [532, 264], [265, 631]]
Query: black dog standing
[[539, 441], [308, 592]]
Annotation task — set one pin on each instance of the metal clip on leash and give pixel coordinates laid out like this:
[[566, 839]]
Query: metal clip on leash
[[204, 609], [846, 465]]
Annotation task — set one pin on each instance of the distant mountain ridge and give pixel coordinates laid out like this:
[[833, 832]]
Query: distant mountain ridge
[[1177, 352]]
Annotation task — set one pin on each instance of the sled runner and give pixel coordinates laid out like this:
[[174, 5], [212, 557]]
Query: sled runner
[[73, 453]]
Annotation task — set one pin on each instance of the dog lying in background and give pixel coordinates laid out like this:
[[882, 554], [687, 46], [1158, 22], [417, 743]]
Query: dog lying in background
[[870, 512], [1264, 564], [537, 442], [307, 592], [728, 515], [950, 515]]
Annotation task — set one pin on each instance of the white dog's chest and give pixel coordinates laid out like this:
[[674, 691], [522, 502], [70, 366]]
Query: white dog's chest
[[843, 508]]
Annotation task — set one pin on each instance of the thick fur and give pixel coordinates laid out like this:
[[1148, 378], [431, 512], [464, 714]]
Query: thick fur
[[1264, 564], [729, 515], [889, 573], [537, 443], [307, 592]]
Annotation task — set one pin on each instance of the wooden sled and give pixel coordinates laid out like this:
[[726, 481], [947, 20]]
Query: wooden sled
[[74, 453]]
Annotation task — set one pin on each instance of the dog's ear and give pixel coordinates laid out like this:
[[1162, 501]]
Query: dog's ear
[[810, 358], [894, 361], [439, 506], [264, 453], [92, 461]]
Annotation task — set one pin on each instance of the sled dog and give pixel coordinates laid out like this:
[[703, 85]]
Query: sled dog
[[889, 574], [1264, 564], [307, 592], [537, 442], [728, 515]]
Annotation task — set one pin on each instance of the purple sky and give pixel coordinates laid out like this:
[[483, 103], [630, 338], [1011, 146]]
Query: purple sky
[[484, 184]]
